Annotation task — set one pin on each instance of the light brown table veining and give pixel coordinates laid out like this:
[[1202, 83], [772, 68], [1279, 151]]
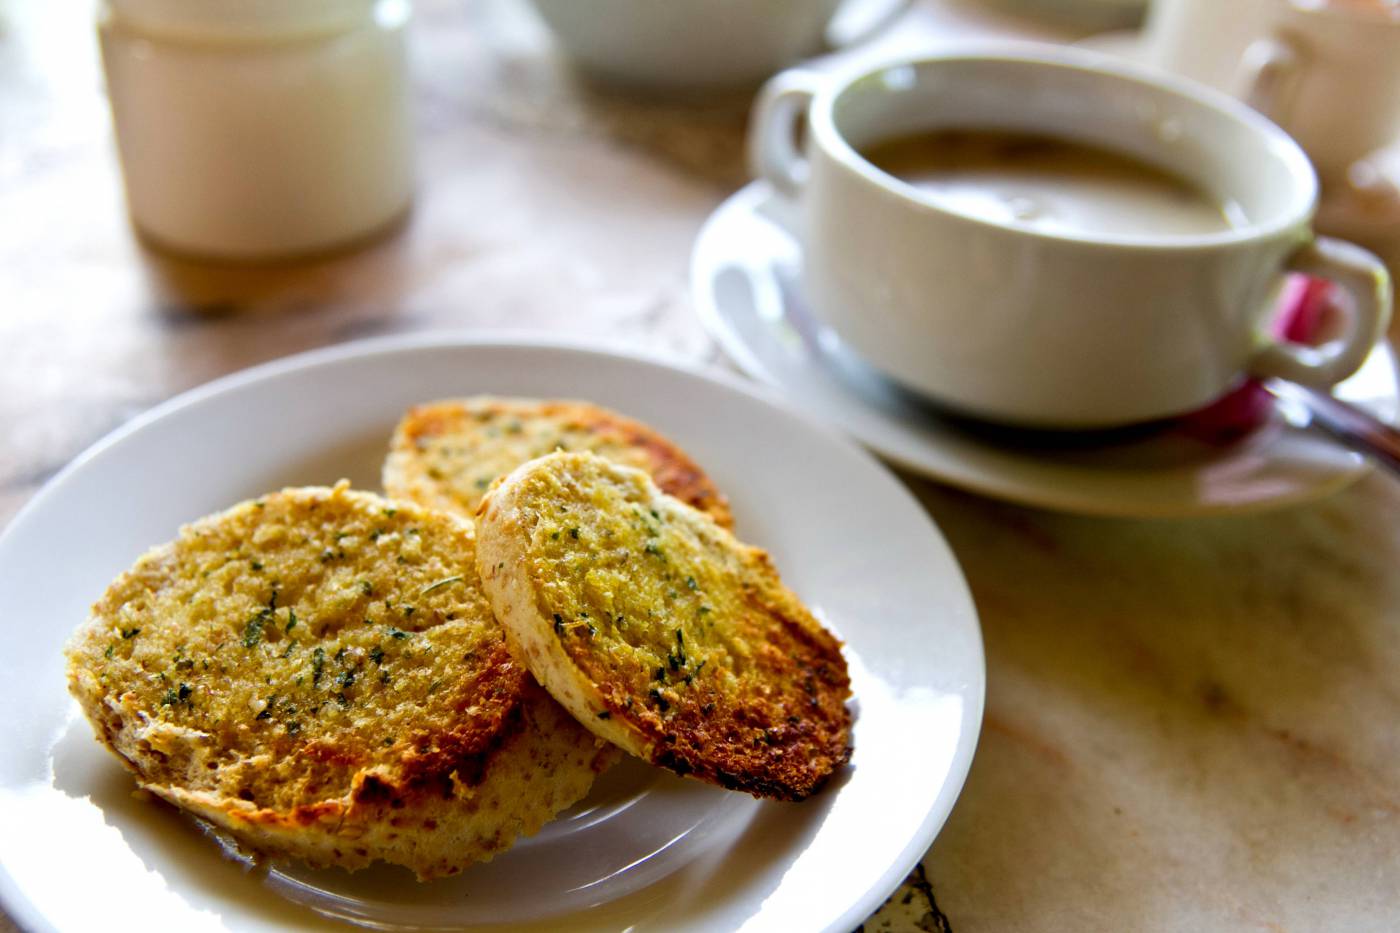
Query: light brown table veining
[[1190, 725]]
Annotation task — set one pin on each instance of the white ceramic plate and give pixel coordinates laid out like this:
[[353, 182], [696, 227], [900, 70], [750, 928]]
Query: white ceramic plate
[[646, 850], [745, 273]]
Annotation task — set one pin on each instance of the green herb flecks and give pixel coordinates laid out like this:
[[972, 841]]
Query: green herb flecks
[[318, 664], [177, 695], [253, 631], [445, 581], [676, 660], [128, 633]]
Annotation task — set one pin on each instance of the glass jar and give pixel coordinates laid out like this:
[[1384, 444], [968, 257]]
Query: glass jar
[[254, 129]]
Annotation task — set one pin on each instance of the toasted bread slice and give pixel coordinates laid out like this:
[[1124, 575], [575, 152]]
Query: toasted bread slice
[[446, 454], [660, 631], [318, 673]]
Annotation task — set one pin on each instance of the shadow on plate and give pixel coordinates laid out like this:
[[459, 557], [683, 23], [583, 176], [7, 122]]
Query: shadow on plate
[[168, 843], [611, 859]]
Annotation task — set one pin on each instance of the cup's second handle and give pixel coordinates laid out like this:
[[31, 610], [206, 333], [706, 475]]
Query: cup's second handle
[[1364, 280], [774, 152], [858, 20], [1268, 76]]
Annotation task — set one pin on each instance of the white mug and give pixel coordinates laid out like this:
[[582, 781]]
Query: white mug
[[1005, 322], [1327, 71], [701, 44]]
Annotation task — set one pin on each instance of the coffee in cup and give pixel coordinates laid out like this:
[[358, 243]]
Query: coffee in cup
[[1137, 302], [1049, 184]]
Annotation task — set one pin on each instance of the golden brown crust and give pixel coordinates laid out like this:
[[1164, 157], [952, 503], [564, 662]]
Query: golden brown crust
[[661, 632], [446, 454], [318, 673]]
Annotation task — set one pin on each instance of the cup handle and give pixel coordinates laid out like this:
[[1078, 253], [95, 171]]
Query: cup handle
[[1364, 280], [774, 153], [857, 20], [1269, 71]]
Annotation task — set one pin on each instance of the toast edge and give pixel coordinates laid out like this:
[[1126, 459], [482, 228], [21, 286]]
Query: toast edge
[[530, 636]]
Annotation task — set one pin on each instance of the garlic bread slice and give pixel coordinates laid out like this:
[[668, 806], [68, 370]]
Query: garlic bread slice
[[446, 454], [660, 631], [318, 673]]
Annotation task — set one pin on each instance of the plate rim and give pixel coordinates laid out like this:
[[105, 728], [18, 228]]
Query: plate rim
[[758, 192], [27, 914]]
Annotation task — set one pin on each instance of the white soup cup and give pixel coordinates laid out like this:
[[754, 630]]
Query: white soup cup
[[1005, 322]]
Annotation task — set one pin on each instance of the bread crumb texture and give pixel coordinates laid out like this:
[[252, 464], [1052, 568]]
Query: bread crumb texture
[[318, 673], [681, 641], [447, 454]]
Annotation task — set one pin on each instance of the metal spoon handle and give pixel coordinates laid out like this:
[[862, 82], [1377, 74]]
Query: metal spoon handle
[[1354, 427]]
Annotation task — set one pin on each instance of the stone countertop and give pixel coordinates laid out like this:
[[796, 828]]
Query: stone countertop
[[1189, 724]]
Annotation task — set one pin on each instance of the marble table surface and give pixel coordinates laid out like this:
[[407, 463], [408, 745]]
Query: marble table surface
[[1190, 724]]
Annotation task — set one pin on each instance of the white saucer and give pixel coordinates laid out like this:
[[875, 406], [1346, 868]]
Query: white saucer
[[645, 850], [745, 273]]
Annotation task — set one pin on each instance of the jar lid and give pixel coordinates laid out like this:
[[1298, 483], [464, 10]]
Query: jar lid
[[240, 19]]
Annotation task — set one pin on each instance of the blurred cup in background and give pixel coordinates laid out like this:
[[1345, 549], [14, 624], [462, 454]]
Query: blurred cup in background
[[1327, 71], [705, 44]]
